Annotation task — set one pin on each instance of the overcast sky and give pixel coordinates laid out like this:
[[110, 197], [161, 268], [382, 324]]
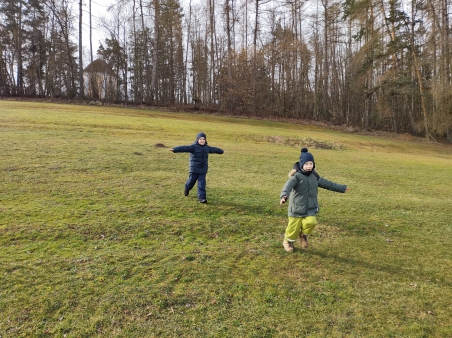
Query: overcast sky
[[98, 9]]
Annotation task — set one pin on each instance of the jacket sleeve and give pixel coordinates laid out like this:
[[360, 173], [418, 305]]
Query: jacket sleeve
[[290, 184], [183, 149], [329, 185], [214, 150]]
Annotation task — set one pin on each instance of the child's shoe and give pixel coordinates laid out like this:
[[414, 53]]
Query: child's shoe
[[186, 192], [203, 201], [304, 241], [288, 246]]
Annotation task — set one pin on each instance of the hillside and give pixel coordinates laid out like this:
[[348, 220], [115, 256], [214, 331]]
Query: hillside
[[97, 238]]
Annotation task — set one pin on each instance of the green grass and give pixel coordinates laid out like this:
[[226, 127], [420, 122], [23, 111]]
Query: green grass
[[97, 239]]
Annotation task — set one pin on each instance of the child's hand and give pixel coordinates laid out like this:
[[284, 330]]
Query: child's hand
[[283, 200], [347, 189], [171, 149]]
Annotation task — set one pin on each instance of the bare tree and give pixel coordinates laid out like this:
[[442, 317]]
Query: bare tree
[[155, 53], [63, 17], [80, 49], [90, 33]]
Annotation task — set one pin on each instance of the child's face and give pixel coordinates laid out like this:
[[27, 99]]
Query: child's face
[[201, 141], [308, 166]]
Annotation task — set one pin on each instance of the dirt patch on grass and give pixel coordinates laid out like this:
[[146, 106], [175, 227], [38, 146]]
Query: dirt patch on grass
[[305, 142]]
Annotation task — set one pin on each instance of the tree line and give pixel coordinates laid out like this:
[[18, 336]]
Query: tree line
[[377, 64]]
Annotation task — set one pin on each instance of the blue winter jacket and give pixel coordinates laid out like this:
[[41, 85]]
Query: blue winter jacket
[[199, 155]]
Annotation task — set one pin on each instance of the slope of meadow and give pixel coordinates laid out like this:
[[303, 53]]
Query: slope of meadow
[[98, 240]]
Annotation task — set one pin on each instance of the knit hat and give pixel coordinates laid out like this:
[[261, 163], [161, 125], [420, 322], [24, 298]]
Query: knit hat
[[201, 134], [306, 157]]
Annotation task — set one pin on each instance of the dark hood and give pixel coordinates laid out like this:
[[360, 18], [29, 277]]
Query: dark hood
[[200, 134]]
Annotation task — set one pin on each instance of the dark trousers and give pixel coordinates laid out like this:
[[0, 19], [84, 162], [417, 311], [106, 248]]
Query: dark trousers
[[201, 178]]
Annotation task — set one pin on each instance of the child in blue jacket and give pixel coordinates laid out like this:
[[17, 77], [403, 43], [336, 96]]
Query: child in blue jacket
[[198, 165]]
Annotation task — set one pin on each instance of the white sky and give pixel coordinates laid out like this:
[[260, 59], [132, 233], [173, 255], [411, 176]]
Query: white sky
[[98, 10]]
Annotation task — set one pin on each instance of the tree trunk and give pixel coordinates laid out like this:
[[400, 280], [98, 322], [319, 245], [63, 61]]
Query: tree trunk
[[147, 93], [230, 95], [256, 29], [212, 52], [80, 51], [154, 98], [326, 61], [19, 79], [90, 33]]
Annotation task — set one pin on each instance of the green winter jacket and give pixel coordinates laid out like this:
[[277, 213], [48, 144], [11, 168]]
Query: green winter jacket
[[302, 191]]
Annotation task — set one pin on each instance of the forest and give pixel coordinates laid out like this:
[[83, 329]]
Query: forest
[[373, 64]]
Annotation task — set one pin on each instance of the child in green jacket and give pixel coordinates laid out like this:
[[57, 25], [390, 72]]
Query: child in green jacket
[[302, 189]]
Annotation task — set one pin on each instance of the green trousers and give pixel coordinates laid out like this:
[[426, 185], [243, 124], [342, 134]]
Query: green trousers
[[305, 225]]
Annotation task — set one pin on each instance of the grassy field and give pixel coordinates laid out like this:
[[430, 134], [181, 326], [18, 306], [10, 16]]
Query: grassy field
[[98, 240]]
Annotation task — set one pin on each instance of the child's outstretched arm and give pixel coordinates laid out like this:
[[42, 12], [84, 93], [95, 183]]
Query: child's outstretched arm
[[329, 185], [182, 149], [215, 150]]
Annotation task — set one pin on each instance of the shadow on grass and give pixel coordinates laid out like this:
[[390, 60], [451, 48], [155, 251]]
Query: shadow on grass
[[259, 209], [393, 270]]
